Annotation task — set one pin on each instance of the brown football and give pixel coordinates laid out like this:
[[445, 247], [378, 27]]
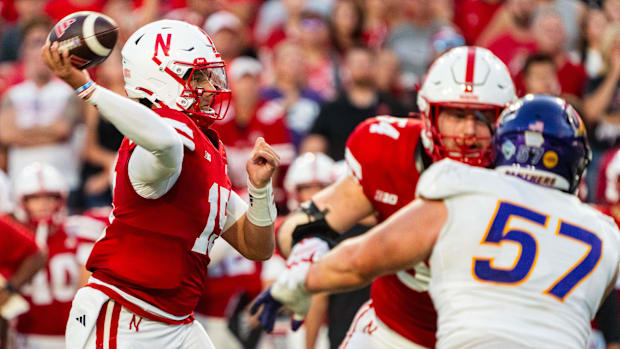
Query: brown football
[[89, 37]]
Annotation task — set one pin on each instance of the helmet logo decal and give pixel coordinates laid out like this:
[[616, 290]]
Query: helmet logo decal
[[550, 159], [63, 26], [508, 149], [537, 126], [159, 41]]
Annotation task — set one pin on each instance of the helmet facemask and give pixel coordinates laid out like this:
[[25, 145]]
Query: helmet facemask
[[470, 149], [205, 96]]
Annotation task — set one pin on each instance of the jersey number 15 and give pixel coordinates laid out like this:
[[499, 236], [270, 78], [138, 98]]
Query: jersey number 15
[[500, 232]]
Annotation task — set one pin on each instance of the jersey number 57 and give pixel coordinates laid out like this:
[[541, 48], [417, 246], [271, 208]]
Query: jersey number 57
[[500, 232]]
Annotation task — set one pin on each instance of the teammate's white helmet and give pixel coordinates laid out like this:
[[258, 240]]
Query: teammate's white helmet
[[161, 58], [466, 77], [6, 201], [307, 169], [38, 178]]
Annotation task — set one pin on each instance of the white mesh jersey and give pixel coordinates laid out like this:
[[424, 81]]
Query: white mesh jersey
[[516, 265]]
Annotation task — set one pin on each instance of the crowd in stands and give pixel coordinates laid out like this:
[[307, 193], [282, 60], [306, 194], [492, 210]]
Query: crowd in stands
[[304, 73]]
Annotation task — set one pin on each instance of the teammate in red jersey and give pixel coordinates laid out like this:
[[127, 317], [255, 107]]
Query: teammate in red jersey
[[172, 196], [462, 95], [41, 194]]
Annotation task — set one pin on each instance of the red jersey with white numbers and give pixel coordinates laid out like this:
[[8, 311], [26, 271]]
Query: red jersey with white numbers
[[157, 249], [16, 244], [51, 290], [384, 154]]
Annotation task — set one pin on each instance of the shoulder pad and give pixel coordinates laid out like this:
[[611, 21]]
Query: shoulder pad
[[181, 123], [366, 145]]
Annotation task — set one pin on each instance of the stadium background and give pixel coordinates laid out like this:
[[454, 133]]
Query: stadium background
[[303, 74]]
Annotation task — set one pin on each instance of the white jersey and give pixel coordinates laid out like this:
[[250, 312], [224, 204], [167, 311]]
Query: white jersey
[[517, 265]]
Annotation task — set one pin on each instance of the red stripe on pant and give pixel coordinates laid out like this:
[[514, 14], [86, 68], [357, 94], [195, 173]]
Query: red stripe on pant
[[100, 325], [113, 329], [116, 312]]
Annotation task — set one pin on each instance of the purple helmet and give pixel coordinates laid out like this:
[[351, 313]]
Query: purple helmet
[[542, 139]]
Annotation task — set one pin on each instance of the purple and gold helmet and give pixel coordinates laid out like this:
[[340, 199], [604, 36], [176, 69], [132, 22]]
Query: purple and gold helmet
[[542, 139]]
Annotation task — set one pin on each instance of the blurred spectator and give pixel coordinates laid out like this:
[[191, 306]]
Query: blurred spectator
[[444, 39], [595, 25], [38, 117], [279, 19], [573, 14], [612, 10], [129, 17], [320, 59], [540, 75], [391, 82], [195, 11], [550, 39], [228, 35], [300, 103], [509, 35], [410, 37], [12, 35], [57, 9], [358, 101], [248, 118], [377, 15], [102, 140], [473, 16], [602, 101], [346, 23]]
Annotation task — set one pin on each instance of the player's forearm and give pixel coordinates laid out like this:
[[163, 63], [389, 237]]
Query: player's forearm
[[135, 121], [259, 241], [338, 271]]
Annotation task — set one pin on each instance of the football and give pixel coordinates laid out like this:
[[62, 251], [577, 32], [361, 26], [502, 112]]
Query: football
[[89, 37]]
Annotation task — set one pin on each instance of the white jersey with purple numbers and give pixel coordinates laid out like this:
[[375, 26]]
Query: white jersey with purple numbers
[[517, 264]]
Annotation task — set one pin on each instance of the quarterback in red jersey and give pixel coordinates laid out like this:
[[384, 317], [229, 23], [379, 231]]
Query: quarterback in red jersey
[[462, 95], [172, 195], [41, 194]]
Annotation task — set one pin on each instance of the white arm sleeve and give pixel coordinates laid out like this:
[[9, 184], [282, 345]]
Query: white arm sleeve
[[234, 210], [155, 164]]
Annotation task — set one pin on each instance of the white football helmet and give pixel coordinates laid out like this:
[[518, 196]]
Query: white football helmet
[[307, 169], [162, 58], [39, 178], [467, 77]]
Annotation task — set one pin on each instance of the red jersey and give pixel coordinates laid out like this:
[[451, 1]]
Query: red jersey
[[16, 244], [156, 250], [51, 290], [383, 153]]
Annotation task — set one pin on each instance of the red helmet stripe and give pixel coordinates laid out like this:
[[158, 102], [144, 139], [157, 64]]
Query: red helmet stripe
[[469, 70]]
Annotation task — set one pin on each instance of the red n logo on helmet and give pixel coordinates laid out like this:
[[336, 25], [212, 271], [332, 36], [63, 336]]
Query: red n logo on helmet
[[159, 41]]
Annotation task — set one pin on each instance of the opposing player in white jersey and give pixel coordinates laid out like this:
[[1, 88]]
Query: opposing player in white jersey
[[514, 264]]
